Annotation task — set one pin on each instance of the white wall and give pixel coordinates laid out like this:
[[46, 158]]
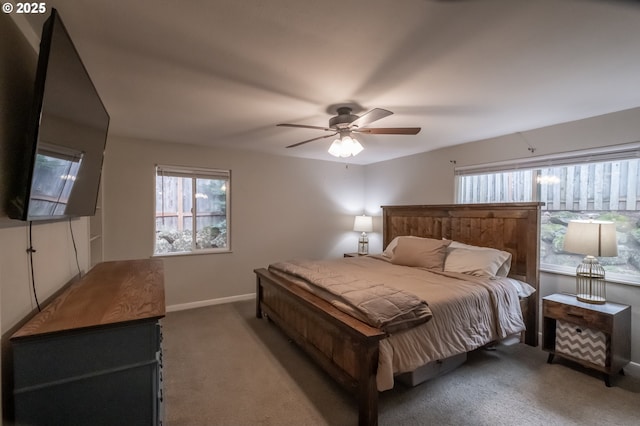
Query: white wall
[[281, 208], [54, 264], [428, 179]]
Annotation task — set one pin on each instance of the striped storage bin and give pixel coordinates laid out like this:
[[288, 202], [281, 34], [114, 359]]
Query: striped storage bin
[[581, 342]]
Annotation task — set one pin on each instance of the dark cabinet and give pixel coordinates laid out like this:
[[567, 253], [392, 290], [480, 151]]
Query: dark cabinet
[[93, 356]]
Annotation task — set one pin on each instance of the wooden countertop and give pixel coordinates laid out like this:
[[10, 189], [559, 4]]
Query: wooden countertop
[[112, 292]]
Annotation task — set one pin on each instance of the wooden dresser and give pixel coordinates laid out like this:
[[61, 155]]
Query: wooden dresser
[[93, 355]]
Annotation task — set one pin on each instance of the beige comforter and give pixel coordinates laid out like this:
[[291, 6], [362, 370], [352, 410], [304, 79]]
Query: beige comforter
[[468, 312], [369, 299]]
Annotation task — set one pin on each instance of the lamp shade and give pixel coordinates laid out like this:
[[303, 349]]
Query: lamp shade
[[363, 224], [591, 238]]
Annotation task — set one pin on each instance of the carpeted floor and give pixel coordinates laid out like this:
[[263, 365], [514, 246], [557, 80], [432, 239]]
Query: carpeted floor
[[223, 366]]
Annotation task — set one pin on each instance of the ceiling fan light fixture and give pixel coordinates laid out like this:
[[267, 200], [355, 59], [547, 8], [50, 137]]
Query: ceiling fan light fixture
[[345, 147], [346, 123]]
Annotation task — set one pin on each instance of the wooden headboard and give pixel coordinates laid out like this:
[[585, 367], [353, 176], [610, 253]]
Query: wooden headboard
[[512, 227]]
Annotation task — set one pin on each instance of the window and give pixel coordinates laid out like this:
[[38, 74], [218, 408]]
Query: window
[[595, 184], [192, 210]]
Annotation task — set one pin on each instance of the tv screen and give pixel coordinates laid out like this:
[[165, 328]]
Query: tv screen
[[66, 137]]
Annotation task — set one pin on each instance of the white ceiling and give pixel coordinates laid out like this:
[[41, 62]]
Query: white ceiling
[[225, 72]]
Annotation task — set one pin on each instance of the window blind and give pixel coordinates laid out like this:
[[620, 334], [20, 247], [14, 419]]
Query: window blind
[[609, 153], [192, 172]]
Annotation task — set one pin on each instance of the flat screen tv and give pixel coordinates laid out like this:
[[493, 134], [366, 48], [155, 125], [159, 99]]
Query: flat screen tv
[[61, 160]]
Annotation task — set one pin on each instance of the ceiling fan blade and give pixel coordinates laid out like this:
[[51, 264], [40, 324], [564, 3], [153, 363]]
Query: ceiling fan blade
[[311, 140], [389, 130], [369, 117], [304, 126]]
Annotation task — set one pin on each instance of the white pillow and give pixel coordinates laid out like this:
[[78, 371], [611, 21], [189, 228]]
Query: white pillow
[[524, 289], [478, 261]]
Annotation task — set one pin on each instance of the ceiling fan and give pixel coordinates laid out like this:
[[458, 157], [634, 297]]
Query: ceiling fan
[[346, 123]]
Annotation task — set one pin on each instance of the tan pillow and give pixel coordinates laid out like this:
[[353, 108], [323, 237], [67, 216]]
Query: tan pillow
[[388, 252], [423, 252]]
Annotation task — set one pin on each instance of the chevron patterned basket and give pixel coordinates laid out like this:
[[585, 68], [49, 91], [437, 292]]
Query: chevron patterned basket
[[581, 342]]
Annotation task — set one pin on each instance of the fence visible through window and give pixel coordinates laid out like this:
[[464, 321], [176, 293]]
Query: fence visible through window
[[596, 186]]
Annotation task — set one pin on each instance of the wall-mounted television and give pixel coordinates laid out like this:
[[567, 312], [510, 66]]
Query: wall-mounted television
[[61, 159]]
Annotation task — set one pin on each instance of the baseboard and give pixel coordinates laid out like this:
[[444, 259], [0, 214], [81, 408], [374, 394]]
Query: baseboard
[[210, 302]]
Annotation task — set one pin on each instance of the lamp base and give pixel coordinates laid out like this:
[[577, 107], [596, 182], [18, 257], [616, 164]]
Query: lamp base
[[590, 298], [590, 283], [363, 244]]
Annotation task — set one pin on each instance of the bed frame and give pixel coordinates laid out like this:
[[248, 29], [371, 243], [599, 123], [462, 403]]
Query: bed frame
[[347, 348]]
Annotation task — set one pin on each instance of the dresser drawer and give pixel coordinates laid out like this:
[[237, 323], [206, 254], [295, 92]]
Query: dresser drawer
[[577, 315], [83, 352]]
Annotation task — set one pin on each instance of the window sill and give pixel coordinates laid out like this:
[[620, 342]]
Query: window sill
[[609, 277], [192, 253]]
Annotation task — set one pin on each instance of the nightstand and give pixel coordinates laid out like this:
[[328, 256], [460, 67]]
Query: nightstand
[[353, 254], [595, 336]]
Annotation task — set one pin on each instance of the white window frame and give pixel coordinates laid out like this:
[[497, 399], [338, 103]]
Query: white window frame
[[195, 173], [603, 154]]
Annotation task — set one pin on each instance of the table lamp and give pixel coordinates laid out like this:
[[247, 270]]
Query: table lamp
[[593, 239], [363, 224]]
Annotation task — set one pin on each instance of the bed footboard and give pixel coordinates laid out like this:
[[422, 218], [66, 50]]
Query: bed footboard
[[343, 346]]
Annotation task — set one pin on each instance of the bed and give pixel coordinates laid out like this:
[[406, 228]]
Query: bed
[[348, 349]]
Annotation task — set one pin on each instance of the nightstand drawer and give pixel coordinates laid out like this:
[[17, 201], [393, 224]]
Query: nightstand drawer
[[582, 343], [577, 315]]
